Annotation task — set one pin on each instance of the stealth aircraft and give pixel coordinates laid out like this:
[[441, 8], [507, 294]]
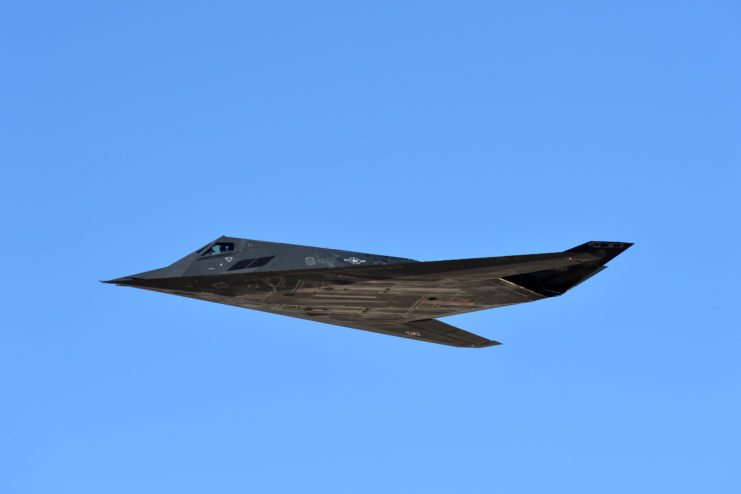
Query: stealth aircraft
[[390, 295]]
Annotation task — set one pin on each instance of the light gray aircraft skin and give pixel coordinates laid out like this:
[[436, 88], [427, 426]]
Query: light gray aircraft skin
[[383, 294]]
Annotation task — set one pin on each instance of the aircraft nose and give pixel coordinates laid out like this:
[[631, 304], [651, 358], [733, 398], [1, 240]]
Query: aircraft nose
[[135, 279], [119, 281]]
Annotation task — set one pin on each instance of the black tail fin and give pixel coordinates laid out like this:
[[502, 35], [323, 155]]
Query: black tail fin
[[606, 251], [552, 282]]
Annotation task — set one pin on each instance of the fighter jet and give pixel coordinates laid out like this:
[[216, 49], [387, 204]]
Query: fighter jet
[[389, 295]]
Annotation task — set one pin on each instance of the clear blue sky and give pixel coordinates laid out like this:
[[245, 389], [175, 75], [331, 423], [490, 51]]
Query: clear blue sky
[[134, 133]]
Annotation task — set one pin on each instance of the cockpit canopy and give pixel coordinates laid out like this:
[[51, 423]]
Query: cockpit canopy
[[218, 248]]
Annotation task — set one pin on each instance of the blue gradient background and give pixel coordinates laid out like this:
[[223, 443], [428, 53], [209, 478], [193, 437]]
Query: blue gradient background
[[134, 133]]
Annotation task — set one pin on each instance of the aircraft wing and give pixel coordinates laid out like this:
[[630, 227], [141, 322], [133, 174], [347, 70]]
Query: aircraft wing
[[430, 330]]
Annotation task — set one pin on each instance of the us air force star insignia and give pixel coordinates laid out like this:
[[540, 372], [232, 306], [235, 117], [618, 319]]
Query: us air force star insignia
[[228, 259], [354, 260]]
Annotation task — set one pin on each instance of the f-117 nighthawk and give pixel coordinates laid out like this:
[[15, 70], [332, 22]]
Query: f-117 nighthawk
[[390, 295]]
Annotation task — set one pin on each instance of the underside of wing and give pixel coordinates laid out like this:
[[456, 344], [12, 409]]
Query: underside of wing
[[430, 330]]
